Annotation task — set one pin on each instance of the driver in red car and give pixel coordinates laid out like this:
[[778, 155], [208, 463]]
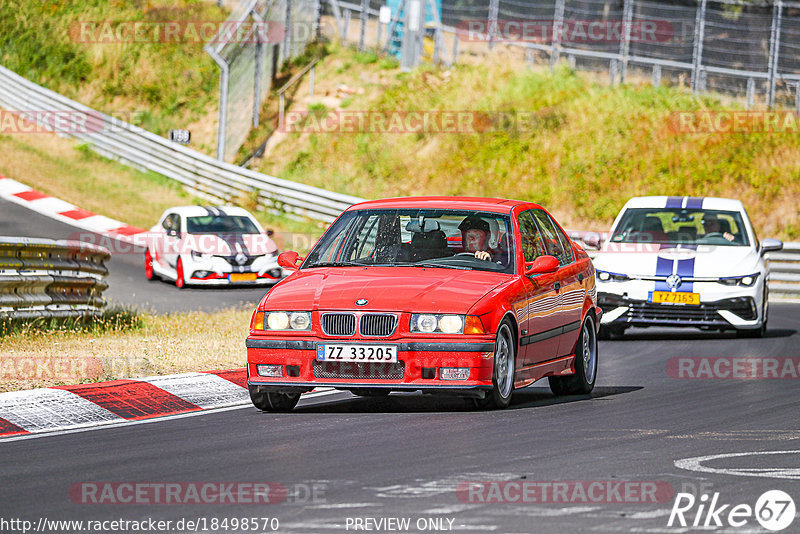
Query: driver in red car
[[475, 237]]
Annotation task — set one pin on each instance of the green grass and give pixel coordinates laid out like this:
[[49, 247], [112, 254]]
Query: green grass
[[176, 83], [111, 319]]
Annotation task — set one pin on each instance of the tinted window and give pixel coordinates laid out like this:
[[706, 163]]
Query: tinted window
[[220, 224], [555, 242], [418, 237], [681, 226], [532, 246]]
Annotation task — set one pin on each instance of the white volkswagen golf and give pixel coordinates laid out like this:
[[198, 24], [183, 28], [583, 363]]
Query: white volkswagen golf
[[683, 261], [194, 245]]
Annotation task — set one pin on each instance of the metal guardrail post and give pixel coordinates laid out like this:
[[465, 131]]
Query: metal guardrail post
[[494, 6], [223, 101], [751, 90], [363, 30], [774, 50], [697, 50], [286, 52], [656, 75], [558, 28], [625, 44]]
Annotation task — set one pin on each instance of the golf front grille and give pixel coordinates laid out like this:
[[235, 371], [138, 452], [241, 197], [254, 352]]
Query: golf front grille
[[378, 324], [339, 324], [359, 370]]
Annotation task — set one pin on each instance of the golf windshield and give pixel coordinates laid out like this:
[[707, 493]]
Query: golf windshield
[[221, 224], [681, 227], [417, 237]]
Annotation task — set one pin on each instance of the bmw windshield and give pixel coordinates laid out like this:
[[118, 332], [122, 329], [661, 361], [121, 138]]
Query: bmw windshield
[[681, 227], [417, 237]]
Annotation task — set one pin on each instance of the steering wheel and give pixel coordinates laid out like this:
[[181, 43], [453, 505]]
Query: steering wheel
[[466, 254]]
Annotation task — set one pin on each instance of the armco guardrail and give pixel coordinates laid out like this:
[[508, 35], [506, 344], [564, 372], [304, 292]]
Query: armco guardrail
[[204, 175], [47, 278], [784, 271]]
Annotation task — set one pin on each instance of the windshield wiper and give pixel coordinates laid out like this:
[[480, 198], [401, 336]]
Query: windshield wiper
[[338, 264], [442, 265]]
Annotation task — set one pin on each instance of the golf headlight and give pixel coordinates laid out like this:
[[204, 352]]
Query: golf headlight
[[605, 276], [444, 324], [746, 281], [288, 320]]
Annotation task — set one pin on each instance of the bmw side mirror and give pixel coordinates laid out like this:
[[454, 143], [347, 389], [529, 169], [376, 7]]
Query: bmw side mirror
[[771, 245], [541, 265], [289, 259]]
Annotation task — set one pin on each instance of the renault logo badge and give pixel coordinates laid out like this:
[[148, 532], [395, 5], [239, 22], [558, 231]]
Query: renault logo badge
[[361, 302]]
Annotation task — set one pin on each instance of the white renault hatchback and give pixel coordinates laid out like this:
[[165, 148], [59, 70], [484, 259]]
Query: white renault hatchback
[[683, 261], [195, 245]]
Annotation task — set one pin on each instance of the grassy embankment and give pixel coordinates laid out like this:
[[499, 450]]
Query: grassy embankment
[[122, 344], [591, 148]]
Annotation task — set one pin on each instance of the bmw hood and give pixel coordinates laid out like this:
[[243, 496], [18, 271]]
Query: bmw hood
[[697, 262], [401, 289]]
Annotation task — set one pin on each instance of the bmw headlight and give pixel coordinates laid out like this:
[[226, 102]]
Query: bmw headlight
[[427, 323], [746, 281], [280, 320]]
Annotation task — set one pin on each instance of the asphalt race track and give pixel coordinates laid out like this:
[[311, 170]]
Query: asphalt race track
[[406, 455], [127, 284], [343, 459]]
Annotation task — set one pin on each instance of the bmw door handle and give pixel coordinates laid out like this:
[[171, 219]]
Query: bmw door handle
[[557, 286]]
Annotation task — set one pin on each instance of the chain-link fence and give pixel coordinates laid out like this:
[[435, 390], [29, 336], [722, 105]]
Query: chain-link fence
[[249, 48], [746, 49]]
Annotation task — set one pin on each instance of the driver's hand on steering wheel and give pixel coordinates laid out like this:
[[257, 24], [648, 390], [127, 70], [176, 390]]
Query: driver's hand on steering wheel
[[728, 236], [483, 255]]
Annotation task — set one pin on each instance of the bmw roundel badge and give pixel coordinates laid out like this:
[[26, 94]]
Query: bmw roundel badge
[[361, 302]]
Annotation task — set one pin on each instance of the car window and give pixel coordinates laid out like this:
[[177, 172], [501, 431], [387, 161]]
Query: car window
[[166, 225], [532, 245], [220, 224], [555, 242], [681, 226], [419, 237]]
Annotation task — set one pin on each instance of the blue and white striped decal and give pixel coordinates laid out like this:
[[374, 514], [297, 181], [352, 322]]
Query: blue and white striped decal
[[685, 267], [689, 203]]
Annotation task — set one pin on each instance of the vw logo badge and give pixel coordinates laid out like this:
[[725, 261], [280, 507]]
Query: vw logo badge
[[361, 302], [674, 281]]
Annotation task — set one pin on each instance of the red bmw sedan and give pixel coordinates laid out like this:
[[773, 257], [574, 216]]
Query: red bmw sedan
[[453, 295]]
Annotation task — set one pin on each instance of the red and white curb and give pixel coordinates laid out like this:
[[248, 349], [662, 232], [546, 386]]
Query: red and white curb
[[62, 211], [61, 408]]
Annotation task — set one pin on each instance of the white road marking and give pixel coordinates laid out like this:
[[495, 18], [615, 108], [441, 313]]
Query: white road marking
[[205, 390], [102, 426], [696, 464], [38, 410]]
